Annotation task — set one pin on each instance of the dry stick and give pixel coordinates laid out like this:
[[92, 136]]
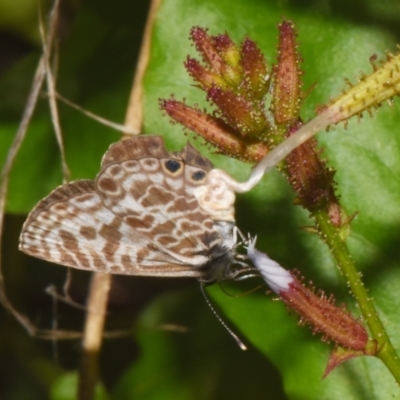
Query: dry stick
[[38, 80], [12, 153], [100, 285], [134, 112], [40, 74], [126, 130], [52, 101]]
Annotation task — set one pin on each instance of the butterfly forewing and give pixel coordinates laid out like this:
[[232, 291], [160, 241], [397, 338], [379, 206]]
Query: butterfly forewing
[[139, 217], [153, 193]]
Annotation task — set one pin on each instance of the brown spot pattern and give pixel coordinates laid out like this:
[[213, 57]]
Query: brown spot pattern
[[208, 224], [88, 232], [60, 207], [126, 261], [133, 164], [181, 204], [110, 232], [139, 189], [69, 240], [107, 184], [188, 226], [97, 261], [150, 162], [142, 255], [157, 195], [140, 222], [109, 250], [115, 170], [85, 197], [166, 240], [82, 260]]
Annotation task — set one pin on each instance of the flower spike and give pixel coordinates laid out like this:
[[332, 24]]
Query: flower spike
[[317, 310]]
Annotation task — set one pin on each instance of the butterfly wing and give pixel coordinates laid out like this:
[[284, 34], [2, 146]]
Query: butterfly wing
[[128, 222], [152, 191], [72, 227]]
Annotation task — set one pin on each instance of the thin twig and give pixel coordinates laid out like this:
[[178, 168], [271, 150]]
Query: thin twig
[[101, 283], [93, 334], [118, 127], [37, 83], [134, 111], [12, 153], [47, 47]]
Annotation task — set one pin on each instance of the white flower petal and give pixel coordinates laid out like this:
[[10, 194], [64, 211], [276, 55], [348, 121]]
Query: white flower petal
[[277, 278]]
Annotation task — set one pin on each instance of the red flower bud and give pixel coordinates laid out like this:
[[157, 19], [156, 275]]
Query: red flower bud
[[317, 310], [215, 131], [206, 78], [205, 46], [238, 112], [255, 70], [286, 97]]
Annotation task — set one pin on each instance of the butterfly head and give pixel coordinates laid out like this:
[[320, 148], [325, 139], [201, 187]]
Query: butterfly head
[[216, 197]]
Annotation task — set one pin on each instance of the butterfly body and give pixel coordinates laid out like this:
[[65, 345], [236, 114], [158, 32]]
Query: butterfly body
[[139, 217]]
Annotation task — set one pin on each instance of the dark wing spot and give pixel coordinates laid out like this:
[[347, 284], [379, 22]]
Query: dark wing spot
[[150, 162], [141, 222], [98, 262], [115, 170], [83, 260], [166, 240], [172, 165], [84, 197], [131, 164], [156, 196], [198, 175], [141, 255], [60, 207], [109, 250], [88, 232], [187, 226], [126, 262], [69, 240], [107, 185], [110, 233], [66, 259], [182, 204], [209, 224]]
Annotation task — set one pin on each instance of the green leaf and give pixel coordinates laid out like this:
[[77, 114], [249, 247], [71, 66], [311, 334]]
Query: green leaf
[[195, 360], [65, 388], [366, 156]]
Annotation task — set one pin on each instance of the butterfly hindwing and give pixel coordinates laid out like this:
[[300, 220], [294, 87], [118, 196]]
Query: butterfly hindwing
[[152, 190], [139, 217]]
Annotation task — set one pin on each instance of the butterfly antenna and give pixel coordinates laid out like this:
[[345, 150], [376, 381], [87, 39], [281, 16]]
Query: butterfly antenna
[[229, 330]]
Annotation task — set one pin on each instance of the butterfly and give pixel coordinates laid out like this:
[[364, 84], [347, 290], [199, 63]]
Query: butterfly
[[140, 216]]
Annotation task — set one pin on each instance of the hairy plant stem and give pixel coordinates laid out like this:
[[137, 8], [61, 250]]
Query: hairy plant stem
[[384, 348]]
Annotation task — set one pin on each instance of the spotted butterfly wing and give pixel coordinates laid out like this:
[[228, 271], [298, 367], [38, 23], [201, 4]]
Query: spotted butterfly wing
[[139, 217]]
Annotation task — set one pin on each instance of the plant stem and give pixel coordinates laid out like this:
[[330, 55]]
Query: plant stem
[[93, 335], [101, 282], [384, 348]]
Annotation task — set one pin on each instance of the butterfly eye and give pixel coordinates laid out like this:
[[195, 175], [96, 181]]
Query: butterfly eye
[[172, 165], [198, 175]]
